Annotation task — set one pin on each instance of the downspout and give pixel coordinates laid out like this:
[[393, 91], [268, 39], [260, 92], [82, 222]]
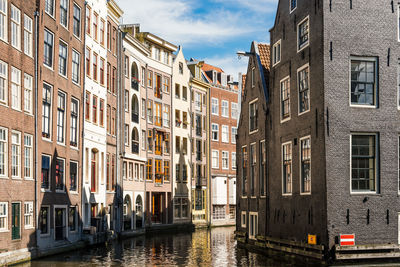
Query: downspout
[[146, 212], [83, 77], [36, 62], [208, 114], [191, 151]]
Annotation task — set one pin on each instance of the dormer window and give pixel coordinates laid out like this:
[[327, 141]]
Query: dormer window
[[303, 34], [293, 5], [180, 68], [214, 76], [223, 79], [157, 55]]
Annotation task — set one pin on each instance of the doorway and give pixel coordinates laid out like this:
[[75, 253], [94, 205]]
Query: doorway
[[59, 221]]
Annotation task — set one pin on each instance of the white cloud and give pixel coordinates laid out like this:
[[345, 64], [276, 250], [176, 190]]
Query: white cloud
[[229, 63], [257, 6], [176, 21]]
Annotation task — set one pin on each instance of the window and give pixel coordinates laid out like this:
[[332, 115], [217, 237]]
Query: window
[[44, 220], [46, 110], [253, 227], [166, 113], [276, 53], [28, 156], [253, 114], [49, 7], [233, 160], [74, 122], [15, 27], [166, 84], [225, 108], [215, 159], [305, 171], [15, 88], [108, 126], [60, 117], [234, 111], [214, 106], [180, 68], [225, 134], [225, 160], [253, 163], [363, 81], [197, 101], [3, 80], [93, 172], [45, 172], [287, 168], [233, 134], [113, 81], [303, 34], [263, 163], [177, 91], [363, 163], [28, 215], [3, 216], [293, 5], [177, 144], [243, 219], [143, 139], [166, 57], [15, 154], [3, 152], [304, 89], [77, 21], [95, 66], [157, 55], [64, 13], [149, 111], [87, 56], [94, 109], [3, 20], [48, 48], [28, 84], [76, 68], [126, 136], [73, 176], [108, 36], [28, 39], [285, 99], [102, 26], [101, 71], [214, 131], [150, 78], [15, 221], [126, 101], [95, 23], [149, 167], [59, 174], [72, 221], [177, 172], [184, 93], [124, 170], [252, 77], [62, 59]]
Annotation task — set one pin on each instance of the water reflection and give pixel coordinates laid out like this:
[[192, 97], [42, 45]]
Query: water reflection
[[215, 247]]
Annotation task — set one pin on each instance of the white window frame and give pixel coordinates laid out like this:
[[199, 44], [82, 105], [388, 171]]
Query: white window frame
[[212, 157], [18, 155], [73, 69], [291, 169], [54, 8], [28, 89], [5, 216], [4, 20], [227, 160], [233, 134], [243, 215], [252, 77], [15, 19], [80, 20], [281, 100], [376, 89], [298, 37], [290, 6], [233, 160], [305, 66], [64, 44], [50, 111], [61, 121], [214, 105], [16, 85], [302, 192], [227, 109], [5, 144], [77, 123], [4, 82], [28, 148], [234, 110], [275, 60], [250, 103], [213, 130], [28, 214], [225, 135], [67, 15], [52, 50], [253, 221], [28, 35], [377, 176]]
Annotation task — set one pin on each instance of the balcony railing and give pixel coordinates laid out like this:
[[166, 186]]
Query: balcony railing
[[135, 117], [135, 148], [135, 84]]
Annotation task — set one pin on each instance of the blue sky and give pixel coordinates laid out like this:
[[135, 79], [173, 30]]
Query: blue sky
[[210, 30]]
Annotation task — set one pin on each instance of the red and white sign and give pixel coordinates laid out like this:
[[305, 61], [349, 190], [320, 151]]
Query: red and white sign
[[347, 240]]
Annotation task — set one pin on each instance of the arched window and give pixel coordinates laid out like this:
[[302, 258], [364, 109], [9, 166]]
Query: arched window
[[135, 109], [127, 212], [139, 211], [135, 76], [135, 141]]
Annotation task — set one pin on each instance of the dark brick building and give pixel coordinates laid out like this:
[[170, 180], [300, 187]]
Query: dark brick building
[[333, 136]]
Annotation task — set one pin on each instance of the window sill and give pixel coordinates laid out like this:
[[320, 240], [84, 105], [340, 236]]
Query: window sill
[[363, 106], [285, 120], [304, 112], [304, 46]]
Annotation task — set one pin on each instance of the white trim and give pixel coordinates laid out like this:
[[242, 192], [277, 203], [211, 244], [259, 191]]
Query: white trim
[[280, 97], [222, 160], [6, 229], [243, 224], [48, 221], [6, 156], [291, 168], [255, 224], [290, 7], [222, 134], [61, 41], [227, 106], [297, 31], [251, 102], [279, 42], [212, 165], [212, 135], [212, 113], [65, 207], [305, 66], [300, 159]]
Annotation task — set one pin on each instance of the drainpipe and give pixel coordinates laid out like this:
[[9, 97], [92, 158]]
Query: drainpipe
[[147, 151], [83, 77], [191, 151], [36, 14]]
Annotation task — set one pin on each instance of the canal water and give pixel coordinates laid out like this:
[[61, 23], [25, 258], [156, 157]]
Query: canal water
[[212, 247]]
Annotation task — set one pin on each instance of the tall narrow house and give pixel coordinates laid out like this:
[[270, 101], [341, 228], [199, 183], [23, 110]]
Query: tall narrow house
[[59, 122], [17, 128], [99, 119], [333, 140]]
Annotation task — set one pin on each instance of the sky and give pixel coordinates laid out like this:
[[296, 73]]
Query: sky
[[209, 30]]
